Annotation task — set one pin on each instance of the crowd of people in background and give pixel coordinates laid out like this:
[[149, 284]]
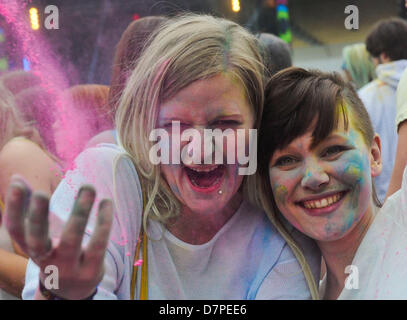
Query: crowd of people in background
[[312, 203]]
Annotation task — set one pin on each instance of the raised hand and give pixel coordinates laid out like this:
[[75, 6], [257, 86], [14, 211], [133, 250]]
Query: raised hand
[[79, 269]]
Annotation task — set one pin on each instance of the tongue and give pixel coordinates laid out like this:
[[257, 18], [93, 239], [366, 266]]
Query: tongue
[[204, 179]]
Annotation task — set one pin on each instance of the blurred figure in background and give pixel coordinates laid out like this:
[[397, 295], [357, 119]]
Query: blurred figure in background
[[387, 43], [358, 65], [276, 53], [37, 107], [88, 103], [22, 153], [128, 50], [16, 81], [35, 104]]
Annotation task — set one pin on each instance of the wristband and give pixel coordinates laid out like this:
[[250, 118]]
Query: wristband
[[49, 295]]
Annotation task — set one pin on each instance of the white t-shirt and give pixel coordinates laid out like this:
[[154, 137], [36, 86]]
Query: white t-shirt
[[381, 258], [379, 98], [246, 259]]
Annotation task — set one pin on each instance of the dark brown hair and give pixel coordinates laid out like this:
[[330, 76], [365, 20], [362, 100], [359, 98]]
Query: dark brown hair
[[128, 50], [296, 98], [390, 37]]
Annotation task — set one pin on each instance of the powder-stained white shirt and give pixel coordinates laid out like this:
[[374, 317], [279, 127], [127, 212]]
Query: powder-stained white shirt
[[381, 259], [246, 259]]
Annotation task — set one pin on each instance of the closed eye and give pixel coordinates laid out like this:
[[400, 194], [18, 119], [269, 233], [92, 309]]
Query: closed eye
[[170, 125], [229, 123], [334, 151]]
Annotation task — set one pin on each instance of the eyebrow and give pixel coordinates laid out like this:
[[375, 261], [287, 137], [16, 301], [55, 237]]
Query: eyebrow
[[333, 136], [290, 147]]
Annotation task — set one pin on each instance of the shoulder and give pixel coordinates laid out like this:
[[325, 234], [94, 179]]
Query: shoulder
[[19, 149], [369, 89], [108, 136], [24, 157], [99, 166]]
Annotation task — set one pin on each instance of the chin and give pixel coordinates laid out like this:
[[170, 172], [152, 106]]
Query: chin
[[323, 236], [206, 207]]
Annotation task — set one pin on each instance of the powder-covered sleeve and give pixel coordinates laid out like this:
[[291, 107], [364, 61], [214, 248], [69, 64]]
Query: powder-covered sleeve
[[94, 166], [286, 281]]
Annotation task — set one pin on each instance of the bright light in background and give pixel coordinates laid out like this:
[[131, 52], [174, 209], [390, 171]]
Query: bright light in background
[[35, 24], [235, 5]]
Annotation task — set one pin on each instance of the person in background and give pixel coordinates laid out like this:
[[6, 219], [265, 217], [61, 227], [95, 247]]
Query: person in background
[[18, 80], [357, 65], [21, 152], [88, 104], [401, 125], [386, 43], [37, 107], [128, 50], [276, 53]]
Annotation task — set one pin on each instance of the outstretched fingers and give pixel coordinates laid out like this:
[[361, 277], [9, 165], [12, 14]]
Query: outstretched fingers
[[17, 200], [39, 244], [95, 251], [70, 245]]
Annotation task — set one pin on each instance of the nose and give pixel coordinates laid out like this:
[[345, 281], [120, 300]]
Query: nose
[[199, 148], [314, 177]]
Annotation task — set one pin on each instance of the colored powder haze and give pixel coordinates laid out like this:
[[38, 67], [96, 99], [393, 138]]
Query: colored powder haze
[[54, 81]]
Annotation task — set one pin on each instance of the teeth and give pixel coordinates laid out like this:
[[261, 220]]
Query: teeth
[[197, 169], [322, 203]]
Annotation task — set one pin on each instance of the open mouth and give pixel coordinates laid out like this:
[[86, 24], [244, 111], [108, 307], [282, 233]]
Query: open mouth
[[206, 178], [326, 203]]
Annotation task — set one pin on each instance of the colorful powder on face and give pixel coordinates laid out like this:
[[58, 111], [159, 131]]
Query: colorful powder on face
[[281, 192]]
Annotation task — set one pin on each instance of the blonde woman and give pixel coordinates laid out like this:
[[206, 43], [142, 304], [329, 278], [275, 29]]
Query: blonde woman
[[202, 239], [20, 153]]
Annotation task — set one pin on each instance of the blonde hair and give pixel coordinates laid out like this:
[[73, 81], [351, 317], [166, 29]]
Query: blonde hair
[[183, 50], [11, 121]]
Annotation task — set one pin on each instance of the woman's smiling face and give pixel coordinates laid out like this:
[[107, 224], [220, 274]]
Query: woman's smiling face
[[326, 190], [215, 103]]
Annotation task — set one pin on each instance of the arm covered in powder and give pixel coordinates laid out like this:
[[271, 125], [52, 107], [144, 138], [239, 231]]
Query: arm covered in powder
[[95, 167]]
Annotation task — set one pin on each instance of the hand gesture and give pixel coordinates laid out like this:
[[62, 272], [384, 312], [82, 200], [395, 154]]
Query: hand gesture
[[79, 269]]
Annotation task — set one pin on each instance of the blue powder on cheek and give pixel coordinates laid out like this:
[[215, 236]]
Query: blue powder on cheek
[[348, 221], [175, 189]]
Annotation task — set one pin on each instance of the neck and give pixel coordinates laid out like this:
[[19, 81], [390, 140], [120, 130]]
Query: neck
[[197, 227], [339, 254]]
